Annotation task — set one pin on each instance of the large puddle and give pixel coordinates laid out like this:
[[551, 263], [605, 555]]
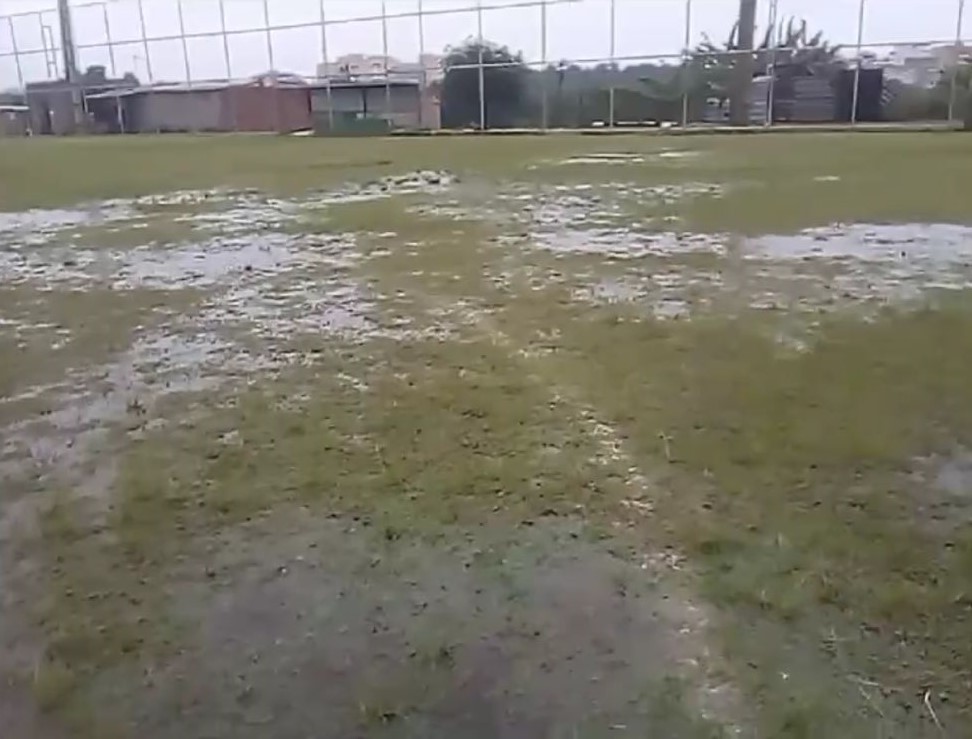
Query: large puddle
[[257, 281], [237, 286], [818, 269], [233, 289]]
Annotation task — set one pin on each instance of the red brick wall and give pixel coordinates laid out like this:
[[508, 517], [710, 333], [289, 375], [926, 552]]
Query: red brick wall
[[259, 108]]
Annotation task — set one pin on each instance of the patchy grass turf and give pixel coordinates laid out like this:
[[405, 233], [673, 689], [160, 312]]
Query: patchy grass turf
[[509, 417]]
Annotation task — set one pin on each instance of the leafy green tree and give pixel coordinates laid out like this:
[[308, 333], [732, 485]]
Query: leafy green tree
[[708, 73], [917, 103], [504, 86]]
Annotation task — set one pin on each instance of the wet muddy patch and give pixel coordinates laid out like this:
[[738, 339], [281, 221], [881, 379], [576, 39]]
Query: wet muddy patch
[[624, 158], [840, 267], [941, 487], [40, 226], [82, 411], [883, 262], [541, 633]]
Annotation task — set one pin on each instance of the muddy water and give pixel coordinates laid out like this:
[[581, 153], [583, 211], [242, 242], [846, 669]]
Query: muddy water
[[261, 286], [36, 227], [625, 158], [258, 279], [825, 268], [538, 635]]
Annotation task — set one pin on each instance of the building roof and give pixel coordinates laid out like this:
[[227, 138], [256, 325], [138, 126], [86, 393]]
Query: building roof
[[281, 80]]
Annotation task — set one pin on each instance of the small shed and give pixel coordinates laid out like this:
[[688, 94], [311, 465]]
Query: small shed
[[260, 104], [371, 105], [53, 106]]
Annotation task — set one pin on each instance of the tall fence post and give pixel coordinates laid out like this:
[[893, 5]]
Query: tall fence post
[[544, 100], [274, 83], [953, 86], [231, 93], [108, 41], [686, 62], [16, 54], [480, 68], [857, 70], [50, 52], [384, 59], [771, 94], [119, 114], [185, 44], [613, 52], [145, 46], [327, 70], [423, 94]]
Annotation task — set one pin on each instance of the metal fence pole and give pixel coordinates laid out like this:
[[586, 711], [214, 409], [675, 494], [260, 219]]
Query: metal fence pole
[[613, 52], [52, 45], [771, 102], [857, 70], [384, 57], [327, 70], [16, 55], [47, 50], [185, 46], [481, 70], [229, 72], [953, 86], [145, 46], [544, 102], [425, 72], [111, 46], [277, 125], [686, 61], [185, 43], [119, 115]]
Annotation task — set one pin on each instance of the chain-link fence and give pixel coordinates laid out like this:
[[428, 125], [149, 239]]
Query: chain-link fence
[[249, 65]]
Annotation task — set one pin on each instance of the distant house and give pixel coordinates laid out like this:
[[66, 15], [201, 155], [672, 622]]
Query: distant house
[[428, 67], [269, 102], [58, 106], [345, 105]]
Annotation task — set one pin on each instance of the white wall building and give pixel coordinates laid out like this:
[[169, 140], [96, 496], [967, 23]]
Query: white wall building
[[428, 67]]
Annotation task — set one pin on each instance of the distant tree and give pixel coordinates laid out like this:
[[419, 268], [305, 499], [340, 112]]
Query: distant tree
[[504, 86], [708, 73], [957, 81], [918, 103]]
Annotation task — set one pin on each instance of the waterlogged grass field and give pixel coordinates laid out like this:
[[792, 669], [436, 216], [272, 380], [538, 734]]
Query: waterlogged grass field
[[566, 436]]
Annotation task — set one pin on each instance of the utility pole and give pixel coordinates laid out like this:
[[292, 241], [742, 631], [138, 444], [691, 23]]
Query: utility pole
[[742, 72]]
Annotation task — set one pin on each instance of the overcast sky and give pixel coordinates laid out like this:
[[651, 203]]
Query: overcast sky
[[576, 29]]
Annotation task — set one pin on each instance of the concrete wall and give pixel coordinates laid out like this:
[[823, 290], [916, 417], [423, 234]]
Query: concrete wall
[[51, 110], [197, 110]]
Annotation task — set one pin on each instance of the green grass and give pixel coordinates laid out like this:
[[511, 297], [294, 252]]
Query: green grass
[[795, 482], [887, 176]]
